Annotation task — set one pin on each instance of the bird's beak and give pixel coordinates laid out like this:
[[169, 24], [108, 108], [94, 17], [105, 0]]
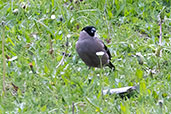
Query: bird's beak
[[93, 30]]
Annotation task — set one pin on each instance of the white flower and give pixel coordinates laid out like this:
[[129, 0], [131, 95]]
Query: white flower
[[15, 11], [100, 53], [53, 17], [69, 35], [13, 58]]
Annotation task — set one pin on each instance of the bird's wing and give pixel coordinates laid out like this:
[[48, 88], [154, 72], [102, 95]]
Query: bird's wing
[[105, 47], [107, 50]]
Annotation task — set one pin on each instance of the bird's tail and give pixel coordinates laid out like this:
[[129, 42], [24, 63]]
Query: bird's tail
[[111, 66]]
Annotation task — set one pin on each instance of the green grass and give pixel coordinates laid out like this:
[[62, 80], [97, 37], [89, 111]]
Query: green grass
[[131, 26]]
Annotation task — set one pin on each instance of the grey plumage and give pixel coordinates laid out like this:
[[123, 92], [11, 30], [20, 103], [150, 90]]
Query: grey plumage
[[87, 46]]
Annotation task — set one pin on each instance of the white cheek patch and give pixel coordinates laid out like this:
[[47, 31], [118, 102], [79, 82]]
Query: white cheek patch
[[84, 31]]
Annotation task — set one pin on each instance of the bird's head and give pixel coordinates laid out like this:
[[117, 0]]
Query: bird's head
[[91, 30]]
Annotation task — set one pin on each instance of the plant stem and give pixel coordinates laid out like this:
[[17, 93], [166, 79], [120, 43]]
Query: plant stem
[[3, 55], [101, 83]]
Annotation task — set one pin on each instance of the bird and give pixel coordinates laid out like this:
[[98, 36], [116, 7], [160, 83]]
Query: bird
[[87, 47]]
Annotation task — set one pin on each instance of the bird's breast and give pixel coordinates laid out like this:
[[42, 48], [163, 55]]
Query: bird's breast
[[87, 46]]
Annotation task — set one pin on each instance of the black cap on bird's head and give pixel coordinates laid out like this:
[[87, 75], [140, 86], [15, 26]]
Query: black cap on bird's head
[[90, 30]]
